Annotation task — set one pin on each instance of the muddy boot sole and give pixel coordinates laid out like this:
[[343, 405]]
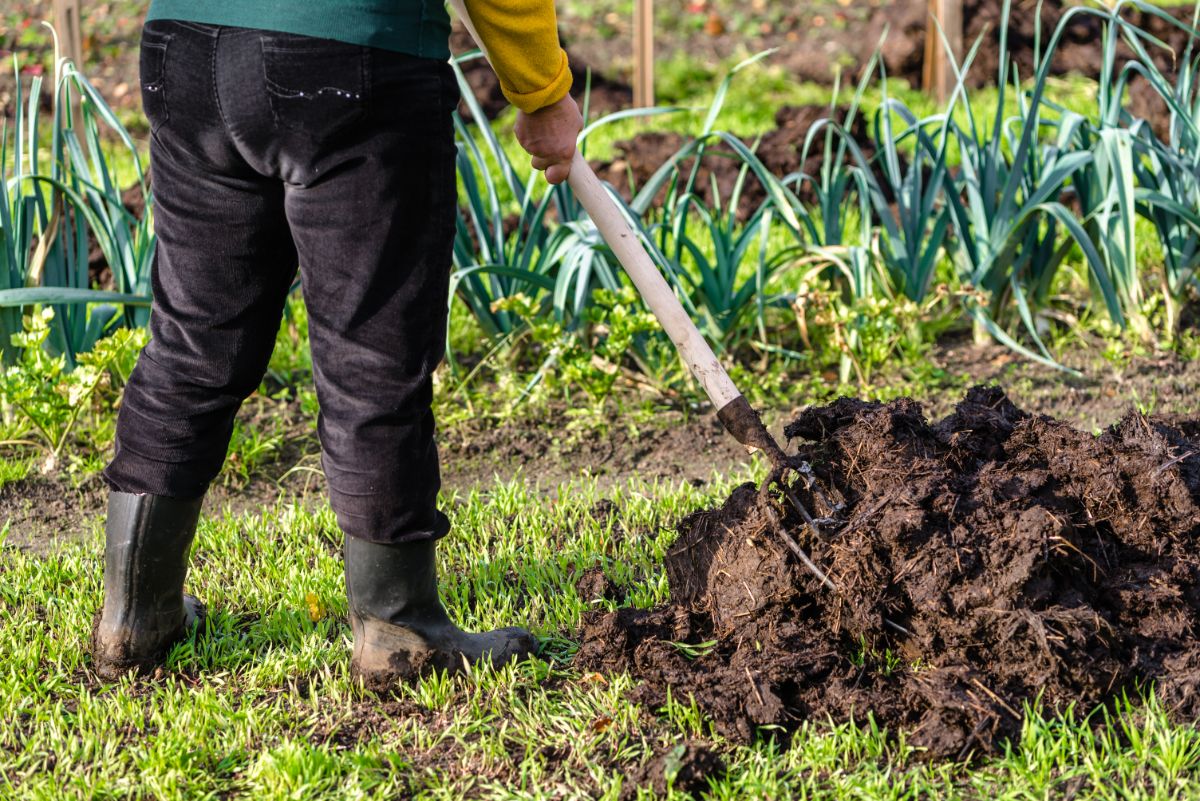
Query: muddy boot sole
[[386, 655], [111, 655]]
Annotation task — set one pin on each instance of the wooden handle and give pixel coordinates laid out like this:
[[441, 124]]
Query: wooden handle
[[654, 289]]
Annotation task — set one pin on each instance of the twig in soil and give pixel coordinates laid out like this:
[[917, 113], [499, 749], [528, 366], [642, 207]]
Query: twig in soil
[[996, 698], [791, 496], [973, 737], [1176, 460], [864, 516], [1096, 569], [754, 687], [795, 548]]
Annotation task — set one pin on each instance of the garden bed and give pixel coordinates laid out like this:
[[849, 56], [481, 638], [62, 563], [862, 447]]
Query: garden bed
[[974, 565], [905, 22], [781, 150]]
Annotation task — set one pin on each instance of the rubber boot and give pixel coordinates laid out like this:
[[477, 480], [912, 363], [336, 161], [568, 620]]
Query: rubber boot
[[401, 630], [147, 543]]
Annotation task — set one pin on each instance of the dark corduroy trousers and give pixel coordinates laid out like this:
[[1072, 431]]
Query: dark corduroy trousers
[[273, 152]]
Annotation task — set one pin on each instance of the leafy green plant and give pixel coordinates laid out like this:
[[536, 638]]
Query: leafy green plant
[[1106, 186], [913, 227], [594, 356], [960, 206], [870, 332], [840, 186], [726, 268], [1167, 187], [250, 448], [506, 241], [291, 359], [43, 393]]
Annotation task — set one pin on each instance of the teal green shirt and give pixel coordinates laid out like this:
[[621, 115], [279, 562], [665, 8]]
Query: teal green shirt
[[416, 27]]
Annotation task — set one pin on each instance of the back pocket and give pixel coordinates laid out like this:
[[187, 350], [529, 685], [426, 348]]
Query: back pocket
[[152, 66], [315, 86]]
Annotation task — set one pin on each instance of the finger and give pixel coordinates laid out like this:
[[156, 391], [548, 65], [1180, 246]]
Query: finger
[[557, 173], [540, 163]]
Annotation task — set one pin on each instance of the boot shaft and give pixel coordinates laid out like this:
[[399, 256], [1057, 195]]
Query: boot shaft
[[148, 541], [392, 583], [401, 630]]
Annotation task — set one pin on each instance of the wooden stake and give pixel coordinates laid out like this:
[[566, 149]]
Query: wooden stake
[[70, 35], [937, 74], [70, 42], [643, 53]]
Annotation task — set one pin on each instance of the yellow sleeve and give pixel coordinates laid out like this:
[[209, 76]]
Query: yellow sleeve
[[521, 40]]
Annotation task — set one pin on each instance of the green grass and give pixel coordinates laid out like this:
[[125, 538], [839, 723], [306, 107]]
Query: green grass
[[15, 469], [261, 705]]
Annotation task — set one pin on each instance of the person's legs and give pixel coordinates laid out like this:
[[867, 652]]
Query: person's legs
[[373, 219], [350, 152], [222, 269]]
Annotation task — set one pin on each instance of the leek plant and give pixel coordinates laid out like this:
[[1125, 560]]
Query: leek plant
[[913, 228], [526, 252], [495, 258], [547, 248], [50, 201], [724, 270], [1006, 203], [1106, 184], [549, 251], [1131, 172], [842, 258], [725, 267], [1167, 186], [1003, 201]]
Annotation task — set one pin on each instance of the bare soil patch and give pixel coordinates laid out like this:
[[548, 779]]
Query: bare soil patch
[[44, 512], [781, 151], [611, 449], [1162, 385], [546, 450], [986, 560]]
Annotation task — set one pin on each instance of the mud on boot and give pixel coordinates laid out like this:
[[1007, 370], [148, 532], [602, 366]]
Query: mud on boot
[[147, 543], [401, 630]]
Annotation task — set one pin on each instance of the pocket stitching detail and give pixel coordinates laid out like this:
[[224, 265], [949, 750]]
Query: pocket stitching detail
[[275, 90], [158, 42]]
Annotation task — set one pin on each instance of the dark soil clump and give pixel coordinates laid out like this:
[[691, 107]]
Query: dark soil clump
[[687, 768], [987, 560]]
